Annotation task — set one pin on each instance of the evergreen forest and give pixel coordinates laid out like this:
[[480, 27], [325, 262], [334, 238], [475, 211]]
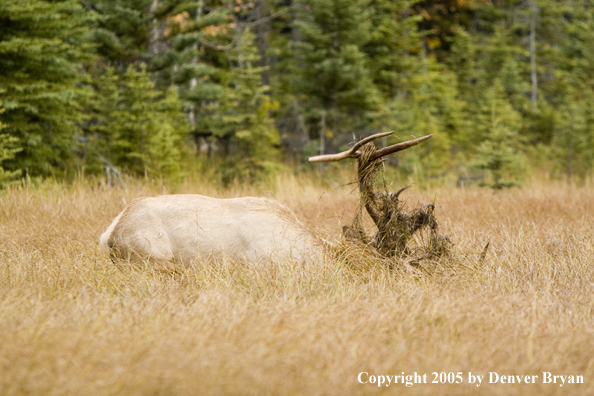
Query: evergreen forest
[[159, 88]]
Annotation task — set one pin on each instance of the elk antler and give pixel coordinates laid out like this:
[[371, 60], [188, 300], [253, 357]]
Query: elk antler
[[353, 153], [394, 196]]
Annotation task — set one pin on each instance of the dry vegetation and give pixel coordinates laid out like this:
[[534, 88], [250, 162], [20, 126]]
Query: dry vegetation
[[73, 324]]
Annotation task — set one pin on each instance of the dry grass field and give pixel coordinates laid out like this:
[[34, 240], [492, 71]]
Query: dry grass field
[[71, 323]]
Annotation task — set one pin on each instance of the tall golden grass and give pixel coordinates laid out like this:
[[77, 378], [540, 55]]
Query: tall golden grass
[[71, 323]]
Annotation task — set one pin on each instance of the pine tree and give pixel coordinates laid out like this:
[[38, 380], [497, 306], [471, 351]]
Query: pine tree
[[135, 126], [427, 104], [334, 78], [42, 46], [394, 45], [573, 140], [166, 143], [284, 66], [573, 135], [134, 120], [198, 32], [518, 43], [96, 149], [440, 19], [244, 119], [498, 154], [122, 30], [146, 124], [8, 149]]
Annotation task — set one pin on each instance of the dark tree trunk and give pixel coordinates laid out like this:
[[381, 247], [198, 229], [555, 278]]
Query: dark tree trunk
[[261, 29]]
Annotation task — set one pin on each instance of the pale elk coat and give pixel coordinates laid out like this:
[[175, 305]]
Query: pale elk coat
[[169, 229]]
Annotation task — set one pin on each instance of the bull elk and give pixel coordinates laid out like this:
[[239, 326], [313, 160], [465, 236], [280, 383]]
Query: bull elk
[[169, 229]]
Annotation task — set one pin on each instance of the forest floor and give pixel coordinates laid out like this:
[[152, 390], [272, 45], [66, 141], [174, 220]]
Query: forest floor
[[71, 323]]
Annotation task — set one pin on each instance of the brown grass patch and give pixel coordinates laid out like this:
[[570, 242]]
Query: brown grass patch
[[73, 324]]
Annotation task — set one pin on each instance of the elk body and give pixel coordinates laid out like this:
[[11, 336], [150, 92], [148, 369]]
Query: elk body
[[178, 228], [169, 229]]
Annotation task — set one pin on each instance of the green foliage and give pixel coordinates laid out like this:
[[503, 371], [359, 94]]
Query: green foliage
[[8, 149], [493, 82], [393, 45], [428, 105], [193, 61], [165, 150], [244, 116], [42, 47], [498, 153], [96, 150], [574, 136], [335, 75], [122, 29], [137, 127]]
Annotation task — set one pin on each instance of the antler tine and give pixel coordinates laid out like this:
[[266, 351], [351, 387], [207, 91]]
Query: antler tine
[[350, 153], [395, 195], [397, 147], [369, 139]]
